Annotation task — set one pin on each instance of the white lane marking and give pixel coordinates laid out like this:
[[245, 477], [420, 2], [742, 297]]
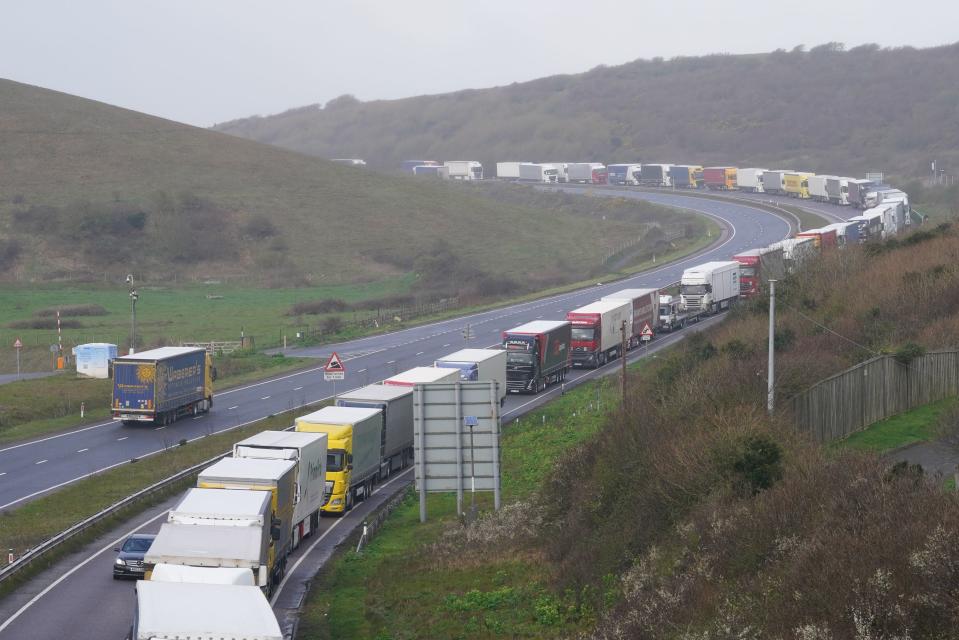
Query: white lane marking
[[198, 417], [446, 345], [3, 473], [297, 388], [361, 370], [391, 362], [419, 353], [289, 572], [159, 428], [82, 450], [61, 435], [123, 438], [236, 406], [79, 566], [40, 461], [265, 398]]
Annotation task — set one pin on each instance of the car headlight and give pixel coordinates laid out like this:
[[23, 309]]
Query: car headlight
[[121, 561]]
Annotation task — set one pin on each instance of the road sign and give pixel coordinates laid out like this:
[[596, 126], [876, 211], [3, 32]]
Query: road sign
[[647, 331], [17, 344], [334, 369]]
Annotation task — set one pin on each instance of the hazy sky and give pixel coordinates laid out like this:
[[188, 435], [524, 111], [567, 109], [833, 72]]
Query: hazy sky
[[207, 61]]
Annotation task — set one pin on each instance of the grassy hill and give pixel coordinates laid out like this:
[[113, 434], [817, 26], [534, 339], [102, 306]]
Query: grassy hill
[[827, 110], [90, 191]]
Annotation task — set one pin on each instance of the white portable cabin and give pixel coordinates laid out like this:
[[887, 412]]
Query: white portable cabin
[[175, 610], [93, 359]]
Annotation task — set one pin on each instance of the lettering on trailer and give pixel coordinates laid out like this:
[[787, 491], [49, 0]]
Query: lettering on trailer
[[515, 344], [313, 469]]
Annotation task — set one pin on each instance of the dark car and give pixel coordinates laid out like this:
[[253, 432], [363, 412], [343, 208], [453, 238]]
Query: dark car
[[129, 562]]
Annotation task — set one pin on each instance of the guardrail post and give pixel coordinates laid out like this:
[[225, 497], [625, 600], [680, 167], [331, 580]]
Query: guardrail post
[[9, 556]]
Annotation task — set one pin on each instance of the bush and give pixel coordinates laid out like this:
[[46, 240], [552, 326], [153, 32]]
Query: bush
[[317, 307], [909, 352], [259, 227], [331, 325]]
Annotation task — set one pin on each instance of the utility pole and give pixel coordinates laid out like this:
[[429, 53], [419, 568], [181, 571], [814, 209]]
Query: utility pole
[[134, 296], [623, 356], [771, 377]]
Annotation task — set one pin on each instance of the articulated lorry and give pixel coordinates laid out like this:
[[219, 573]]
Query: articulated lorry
[[686, 176], [545, 173], [757, 268], [656, 175], [720, 178], [537, 355], [773, 180], [796, 184], [645, 308], [407, 166], [829, 189], [710, 287], [858, 188], [750, 179], [597, 334], [356, 441], [308, 451], [822, 238], [623, 174], [796, 251], [478, 365], [422, 375], [847, 233], [188, 610], [587, 172], [464, 170], [278, 477], [160, 385], [396, 405], [673, 315]]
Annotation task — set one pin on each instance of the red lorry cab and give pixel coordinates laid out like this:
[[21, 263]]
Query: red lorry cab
[[750, 279]]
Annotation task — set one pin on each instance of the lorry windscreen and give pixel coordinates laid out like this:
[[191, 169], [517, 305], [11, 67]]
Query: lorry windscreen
[[747, 272], [519, 358], [583, 334], [334, 460], [695, 289]]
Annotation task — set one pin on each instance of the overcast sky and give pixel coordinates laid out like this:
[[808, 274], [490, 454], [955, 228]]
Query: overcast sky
[[208, 61]]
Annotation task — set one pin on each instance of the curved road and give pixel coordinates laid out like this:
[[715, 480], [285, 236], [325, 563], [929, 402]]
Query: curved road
[[78, 593], [33, 468]]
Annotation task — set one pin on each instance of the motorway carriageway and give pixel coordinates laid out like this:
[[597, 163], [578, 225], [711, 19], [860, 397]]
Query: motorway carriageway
[[79, 599], [30, 469]]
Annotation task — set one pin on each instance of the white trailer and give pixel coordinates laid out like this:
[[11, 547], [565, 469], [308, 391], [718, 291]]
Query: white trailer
[[478, 365], [645, 304], [214, 545], [710, 287], [796, 251], [308, 451], [817, 187], [172, 610], [223, 508], [531, 172], [585, 171], [201, 575], [422, 375], [750, 179], [508, 170], [464, 169]]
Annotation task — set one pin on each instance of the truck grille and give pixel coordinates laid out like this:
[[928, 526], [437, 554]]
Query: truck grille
[[694, 303], [519, 385]]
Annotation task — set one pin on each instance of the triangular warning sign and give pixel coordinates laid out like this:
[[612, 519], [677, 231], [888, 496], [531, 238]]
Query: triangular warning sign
[[334, 364], [17, 344], [646, 330]]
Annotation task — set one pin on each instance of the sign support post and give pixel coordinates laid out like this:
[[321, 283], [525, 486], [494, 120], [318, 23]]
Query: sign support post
[[18, 345]]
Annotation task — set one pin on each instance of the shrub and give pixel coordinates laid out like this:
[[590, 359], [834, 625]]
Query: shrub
[[331, 325], [317, 307], [259, 227], [909, 352]]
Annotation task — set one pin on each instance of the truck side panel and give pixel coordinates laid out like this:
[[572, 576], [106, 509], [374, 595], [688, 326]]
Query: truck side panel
[[367, 441], [555, 347], [180, 380]]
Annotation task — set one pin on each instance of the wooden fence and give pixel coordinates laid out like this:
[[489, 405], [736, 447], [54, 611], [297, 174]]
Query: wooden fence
[[874, 390]]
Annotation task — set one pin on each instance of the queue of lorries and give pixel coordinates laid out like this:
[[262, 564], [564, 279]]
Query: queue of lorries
[[886, 209]]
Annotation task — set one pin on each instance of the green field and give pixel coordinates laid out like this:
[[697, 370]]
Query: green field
[[917, 425]]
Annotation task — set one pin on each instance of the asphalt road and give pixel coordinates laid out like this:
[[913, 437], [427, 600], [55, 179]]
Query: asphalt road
[[31, 469], [78, 593]]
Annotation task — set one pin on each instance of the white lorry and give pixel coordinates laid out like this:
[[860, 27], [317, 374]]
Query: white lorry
[[185, 610], [672, 314], [308, 451], [562, 170], [796, 251], [422, 375], [817, 187], [750, 179], [530, 172], [586, 172], [464, 170], [710, 287], [478, 365]]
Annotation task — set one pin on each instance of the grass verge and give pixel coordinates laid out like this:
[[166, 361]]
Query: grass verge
[[917, 425], [391, 589]]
